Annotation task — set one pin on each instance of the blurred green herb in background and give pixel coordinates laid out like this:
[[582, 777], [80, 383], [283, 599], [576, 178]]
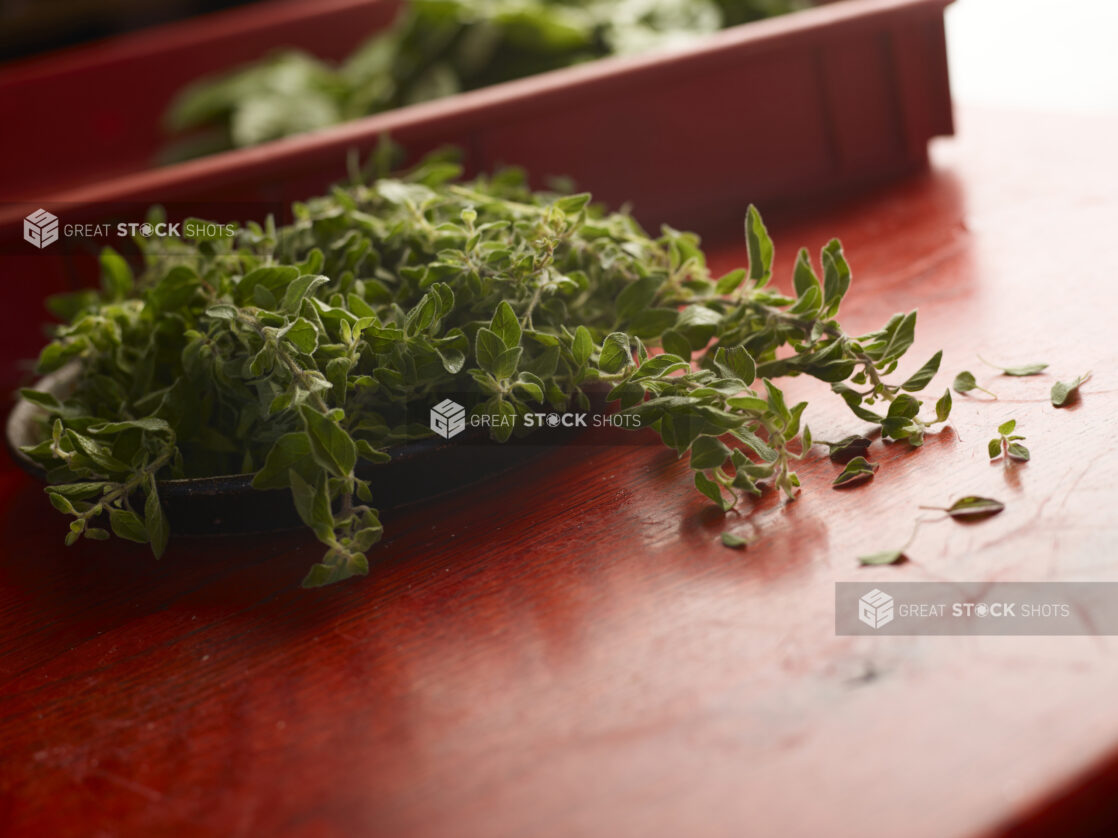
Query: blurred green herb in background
[[436, 48]]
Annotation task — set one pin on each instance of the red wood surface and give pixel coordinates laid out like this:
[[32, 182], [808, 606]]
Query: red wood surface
[[569, 651]]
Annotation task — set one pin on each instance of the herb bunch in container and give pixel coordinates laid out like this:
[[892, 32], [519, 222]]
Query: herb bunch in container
[[299, 353]]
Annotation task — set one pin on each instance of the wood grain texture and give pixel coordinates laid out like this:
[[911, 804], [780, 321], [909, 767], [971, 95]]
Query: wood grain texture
[[569, 651]]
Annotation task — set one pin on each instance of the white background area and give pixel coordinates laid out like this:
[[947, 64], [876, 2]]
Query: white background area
[[1052, 55]]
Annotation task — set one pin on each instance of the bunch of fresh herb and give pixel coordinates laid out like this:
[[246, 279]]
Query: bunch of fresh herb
[[436, 48], [296, 352]]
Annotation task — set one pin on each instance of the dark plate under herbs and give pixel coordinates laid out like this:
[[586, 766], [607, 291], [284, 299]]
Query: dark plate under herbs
[[228, 504]]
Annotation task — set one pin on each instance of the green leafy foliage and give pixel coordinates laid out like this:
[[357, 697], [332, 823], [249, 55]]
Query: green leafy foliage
[[302, 354], [436, 48]]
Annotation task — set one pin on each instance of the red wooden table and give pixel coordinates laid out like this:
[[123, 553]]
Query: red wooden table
[[569, 651]]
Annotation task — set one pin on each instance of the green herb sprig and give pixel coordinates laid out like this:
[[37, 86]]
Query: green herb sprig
[[297, 353], [1008, 443]]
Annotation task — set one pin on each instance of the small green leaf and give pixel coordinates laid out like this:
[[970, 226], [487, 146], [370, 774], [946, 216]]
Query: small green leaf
[[994, 448], [965, 382], [924, 375], [331, 446], [571, 204], [1065, 391], [676, 344], [1018, 451], [1007, 427], [505, 365], [303, 335], [730, 282], [713, 491], [943, 406], [803, 275], [505, 325], [974, 506], [299, 289], [155, 521], [615, 354], [737, 363], [582, 346], [313, 504], [127, 525], [1020, 369], [904, 406], [488, 347], [222, 312], [116, 275], [1025, 369], [290, 451], [884, 557], [847, 448], [43, 400], [708, 452], [759, 246], [734, 542], [858, 470]]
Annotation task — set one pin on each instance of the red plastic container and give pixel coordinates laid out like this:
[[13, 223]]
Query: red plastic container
[[96, 111], [818, 101], [868, 74]]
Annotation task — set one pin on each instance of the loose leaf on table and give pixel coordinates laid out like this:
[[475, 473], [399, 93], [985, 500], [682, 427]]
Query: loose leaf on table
[[1065, 391], [884, 557], [1019, 369], [965, 382], [971, 506], [847, 448], [734, 542], [858, 470]]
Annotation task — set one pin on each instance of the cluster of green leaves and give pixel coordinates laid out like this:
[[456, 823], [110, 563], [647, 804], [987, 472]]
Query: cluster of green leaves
[[302, 353], [1007, 443], [436, 48]]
